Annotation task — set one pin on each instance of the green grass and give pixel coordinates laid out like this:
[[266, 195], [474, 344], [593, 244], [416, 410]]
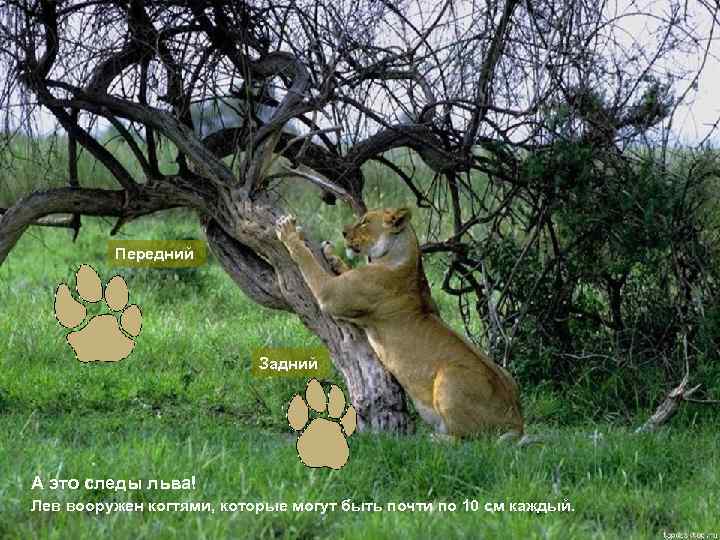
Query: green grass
[[185, 403]]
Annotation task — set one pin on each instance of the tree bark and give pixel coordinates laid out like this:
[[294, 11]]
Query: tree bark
[[669, 406]]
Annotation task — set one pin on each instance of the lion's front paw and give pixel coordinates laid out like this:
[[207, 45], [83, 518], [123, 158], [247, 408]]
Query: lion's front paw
[[336, 263], [327, 249], [288, 231], [285, 227]]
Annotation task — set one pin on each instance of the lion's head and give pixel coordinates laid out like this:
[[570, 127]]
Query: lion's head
[[375, 233]]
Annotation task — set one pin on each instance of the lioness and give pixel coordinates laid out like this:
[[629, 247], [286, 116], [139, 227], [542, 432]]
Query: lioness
[[454, 387]]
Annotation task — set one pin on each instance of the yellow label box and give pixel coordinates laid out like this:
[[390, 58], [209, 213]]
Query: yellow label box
[[291, 362], [157, 253]]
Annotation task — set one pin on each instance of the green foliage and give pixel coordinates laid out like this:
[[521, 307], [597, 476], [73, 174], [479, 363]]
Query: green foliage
[[620, 287]]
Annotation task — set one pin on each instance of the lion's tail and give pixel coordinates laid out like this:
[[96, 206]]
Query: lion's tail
[[527, 440], [521, 439]]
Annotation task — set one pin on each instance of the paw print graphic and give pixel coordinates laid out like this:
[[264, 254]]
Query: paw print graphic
[[322, 442], [102, 338]]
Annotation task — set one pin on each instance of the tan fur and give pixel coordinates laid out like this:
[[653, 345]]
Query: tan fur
[[454, 386]]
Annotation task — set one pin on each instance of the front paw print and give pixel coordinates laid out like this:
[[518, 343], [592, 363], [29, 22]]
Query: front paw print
[[101, 338], [323, 442]]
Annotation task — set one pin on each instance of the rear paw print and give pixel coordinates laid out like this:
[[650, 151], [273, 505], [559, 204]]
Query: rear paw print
[[323, 442], [101, 338]]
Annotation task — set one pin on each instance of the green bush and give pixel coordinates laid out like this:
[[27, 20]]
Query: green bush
[[620, 288]]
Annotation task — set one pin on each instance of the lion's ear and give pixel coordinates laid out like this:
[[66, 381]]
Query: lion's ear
[[397, 218]]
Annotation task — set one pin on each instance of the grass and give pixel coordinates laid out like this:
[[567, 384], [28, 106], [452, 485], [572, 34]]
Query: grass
[[185, 403]]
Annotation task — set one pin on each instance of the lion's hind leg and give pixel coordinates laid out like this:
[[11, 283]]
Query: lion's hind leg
[[470, 404]]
